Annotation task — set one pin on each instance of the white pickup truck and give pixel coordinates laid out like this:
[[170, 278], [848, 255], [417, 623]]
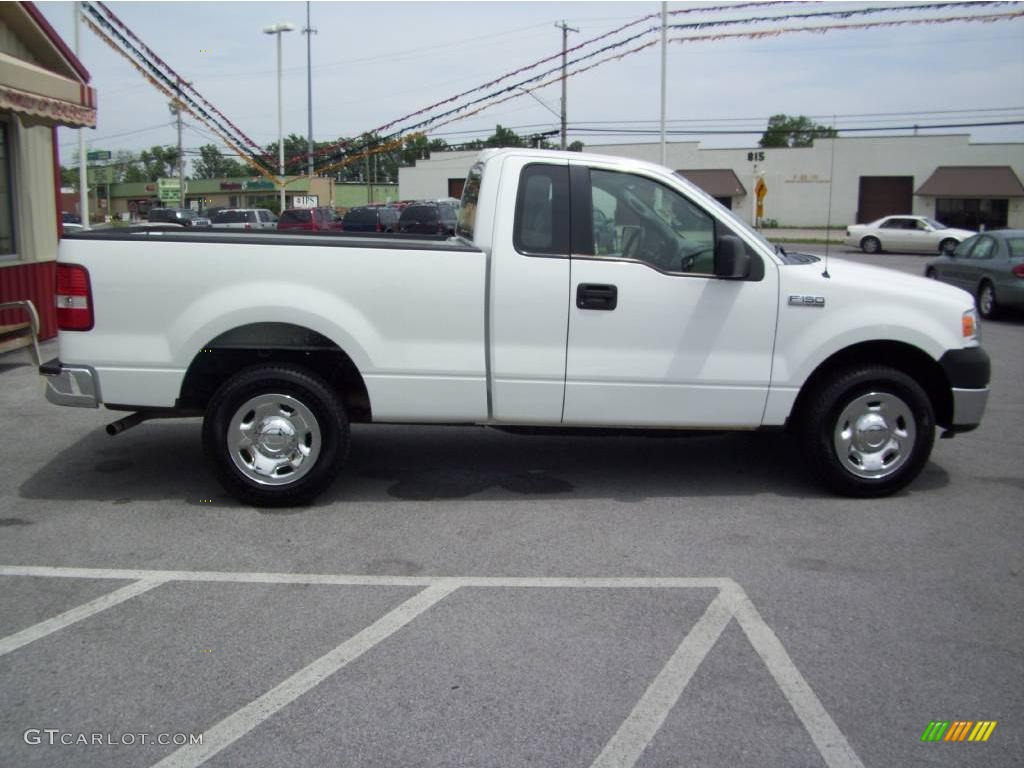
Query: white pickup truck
[[580, 291]]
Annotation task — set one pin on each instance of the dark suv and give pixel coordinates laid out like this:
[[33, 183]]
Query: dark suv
[[311, 219], [428, 219], [371, 218], [184, 216]]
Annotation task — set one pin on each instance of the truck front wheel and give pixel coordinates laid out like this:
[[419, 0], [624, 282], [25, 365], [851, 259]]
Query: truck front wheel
[[868, 431], [276, 435]]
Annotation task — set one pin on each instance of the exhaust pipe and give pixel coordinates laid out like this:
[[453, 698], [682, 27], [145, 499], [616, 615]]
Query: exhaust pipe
[[134, 419]]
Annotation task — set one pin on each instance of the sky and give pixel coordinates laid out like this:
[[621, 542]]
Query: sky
[[375, 62]]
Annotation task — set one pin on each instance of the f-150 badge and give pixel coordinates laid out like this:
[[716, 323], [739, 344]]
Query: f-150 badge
[[807, 301]]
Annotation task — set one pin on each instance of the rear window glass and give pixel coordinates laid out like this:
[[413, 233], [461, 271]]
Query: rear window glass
[[1016, 247], [361, 216], [229, 217], [470, 195], [294, 217], [420, 213]]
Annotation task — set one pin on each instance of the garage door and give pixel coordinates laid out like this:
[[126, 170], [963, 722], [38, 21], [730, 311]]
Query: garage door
[[455, 188], [884, 196]]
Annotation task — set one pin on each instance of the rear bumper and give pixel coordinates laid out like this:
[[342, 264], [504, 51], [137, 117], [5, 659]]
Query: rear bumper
[[73, 385]]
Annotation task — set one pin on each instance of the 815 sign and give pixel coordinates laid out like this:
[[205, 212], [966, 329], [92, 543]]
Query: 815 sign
[[755, 157]]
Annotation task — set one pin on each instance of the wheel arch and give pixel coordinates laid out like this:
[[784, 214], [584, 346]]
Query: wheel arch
[[274, 342], [904, 357]]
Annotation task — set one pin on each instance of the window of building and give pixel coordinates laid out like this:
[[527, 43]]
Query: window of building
[[7, 240], [972, 213]]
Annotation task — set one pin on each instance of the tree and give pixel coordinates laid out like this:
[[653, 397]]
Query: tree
[[800, 131], [212, 164], [504, 137], [158, 162], [576, 146]]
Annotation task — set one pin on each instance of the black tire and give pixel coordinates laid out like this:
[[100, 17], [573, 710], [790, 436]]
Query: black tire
[[931, 274], [319, 421], [948, 245], [985, 300], [870, 245], [850, 390]]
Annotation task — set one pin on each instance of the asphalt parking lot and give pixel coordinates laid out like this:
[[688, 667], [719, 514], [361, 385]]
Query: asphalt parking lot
[[465, 597]]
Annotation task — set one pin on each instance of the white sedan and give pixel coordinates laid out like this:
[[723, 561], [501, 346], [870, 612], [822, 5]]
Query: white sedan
[[905, 233]]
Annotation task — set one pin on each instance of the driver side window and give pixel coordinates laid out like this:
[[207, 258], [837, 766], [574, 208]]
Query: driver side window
[[639, 219]]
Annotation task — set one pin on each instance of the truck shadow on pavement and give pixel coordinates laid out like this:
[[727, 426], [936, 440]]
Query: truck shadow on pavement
[[387, 463]]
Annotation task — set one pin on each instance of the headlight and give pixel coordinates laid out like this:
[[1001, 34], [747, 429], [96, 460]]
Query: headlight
[[969, 326]]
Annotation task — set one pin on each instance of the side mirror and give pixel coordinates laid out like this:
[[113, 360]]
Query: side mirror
[[732, 262]]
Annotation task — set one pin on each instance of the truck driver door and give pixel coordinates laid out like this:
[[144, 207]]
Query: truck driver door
[[655, 338]]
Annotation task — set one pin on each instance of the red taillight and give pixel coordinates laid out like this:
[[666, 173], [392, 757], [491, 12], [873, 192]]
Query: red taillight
[[74, 298], [1018, 270], [378, 227], [248, 226], [440, 228]]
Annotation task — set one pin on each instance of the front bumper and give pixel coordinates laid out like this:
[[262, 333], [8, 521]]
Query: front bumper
[[968, 371], [968, 408], [74, 385]]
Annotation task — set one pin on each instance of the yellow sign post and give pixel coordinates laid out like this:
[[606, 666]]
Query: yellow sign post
[[760, 191]]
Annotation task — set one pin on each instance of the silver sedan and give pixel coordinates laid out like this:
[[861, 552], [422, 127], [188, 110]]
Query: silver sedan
[[905, 234]]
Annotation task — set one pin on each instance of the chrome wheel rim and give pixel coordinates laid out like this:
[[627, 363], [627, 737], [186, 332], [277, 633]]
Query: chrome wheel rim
[[874, 435], [274, 439], [870, 245], [987, 300]]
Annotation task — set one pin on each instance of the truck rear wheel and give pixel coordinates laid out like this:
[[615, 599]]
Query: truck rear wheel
[[276, 435], [868, 431]]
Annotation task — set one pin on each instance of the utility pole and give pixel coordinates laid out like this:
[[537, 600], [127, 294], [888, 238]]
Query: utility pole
[[309, 32], [83, 171], [664, 31], [565, 42], [181, 154]]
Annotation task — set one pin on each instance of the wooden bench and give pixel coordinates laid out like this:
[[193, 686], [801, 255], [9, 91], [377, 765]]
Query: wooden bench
[[17, 335]]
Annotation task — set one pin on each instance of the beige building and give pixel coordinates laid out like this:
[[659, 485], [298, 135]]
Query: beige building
[[42, 86], [838, 181]]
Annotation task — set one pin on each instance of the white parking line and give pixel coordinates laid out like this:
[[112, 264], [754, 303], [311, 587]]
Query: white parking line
[[235, 726], [637, 730], [623, 749], [84, 611], [343, 580], [834, 749]]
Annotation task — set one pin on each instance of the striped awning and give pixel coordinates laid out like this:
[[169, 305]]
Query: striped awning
[[42, 97]]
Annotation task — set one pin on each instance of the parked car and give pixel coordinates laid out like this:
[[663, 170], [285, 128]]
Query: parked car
[[71, 222], [517, 322], [244, 218], [990, 266], [428, 219], [311, 219], [905, 233], [371, 218], [184, 216]]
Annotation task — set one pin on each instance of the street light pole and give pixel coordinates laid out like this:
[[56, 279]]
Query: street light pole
[[309, 32], [664, 28], [278, 29], [83, 172]]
